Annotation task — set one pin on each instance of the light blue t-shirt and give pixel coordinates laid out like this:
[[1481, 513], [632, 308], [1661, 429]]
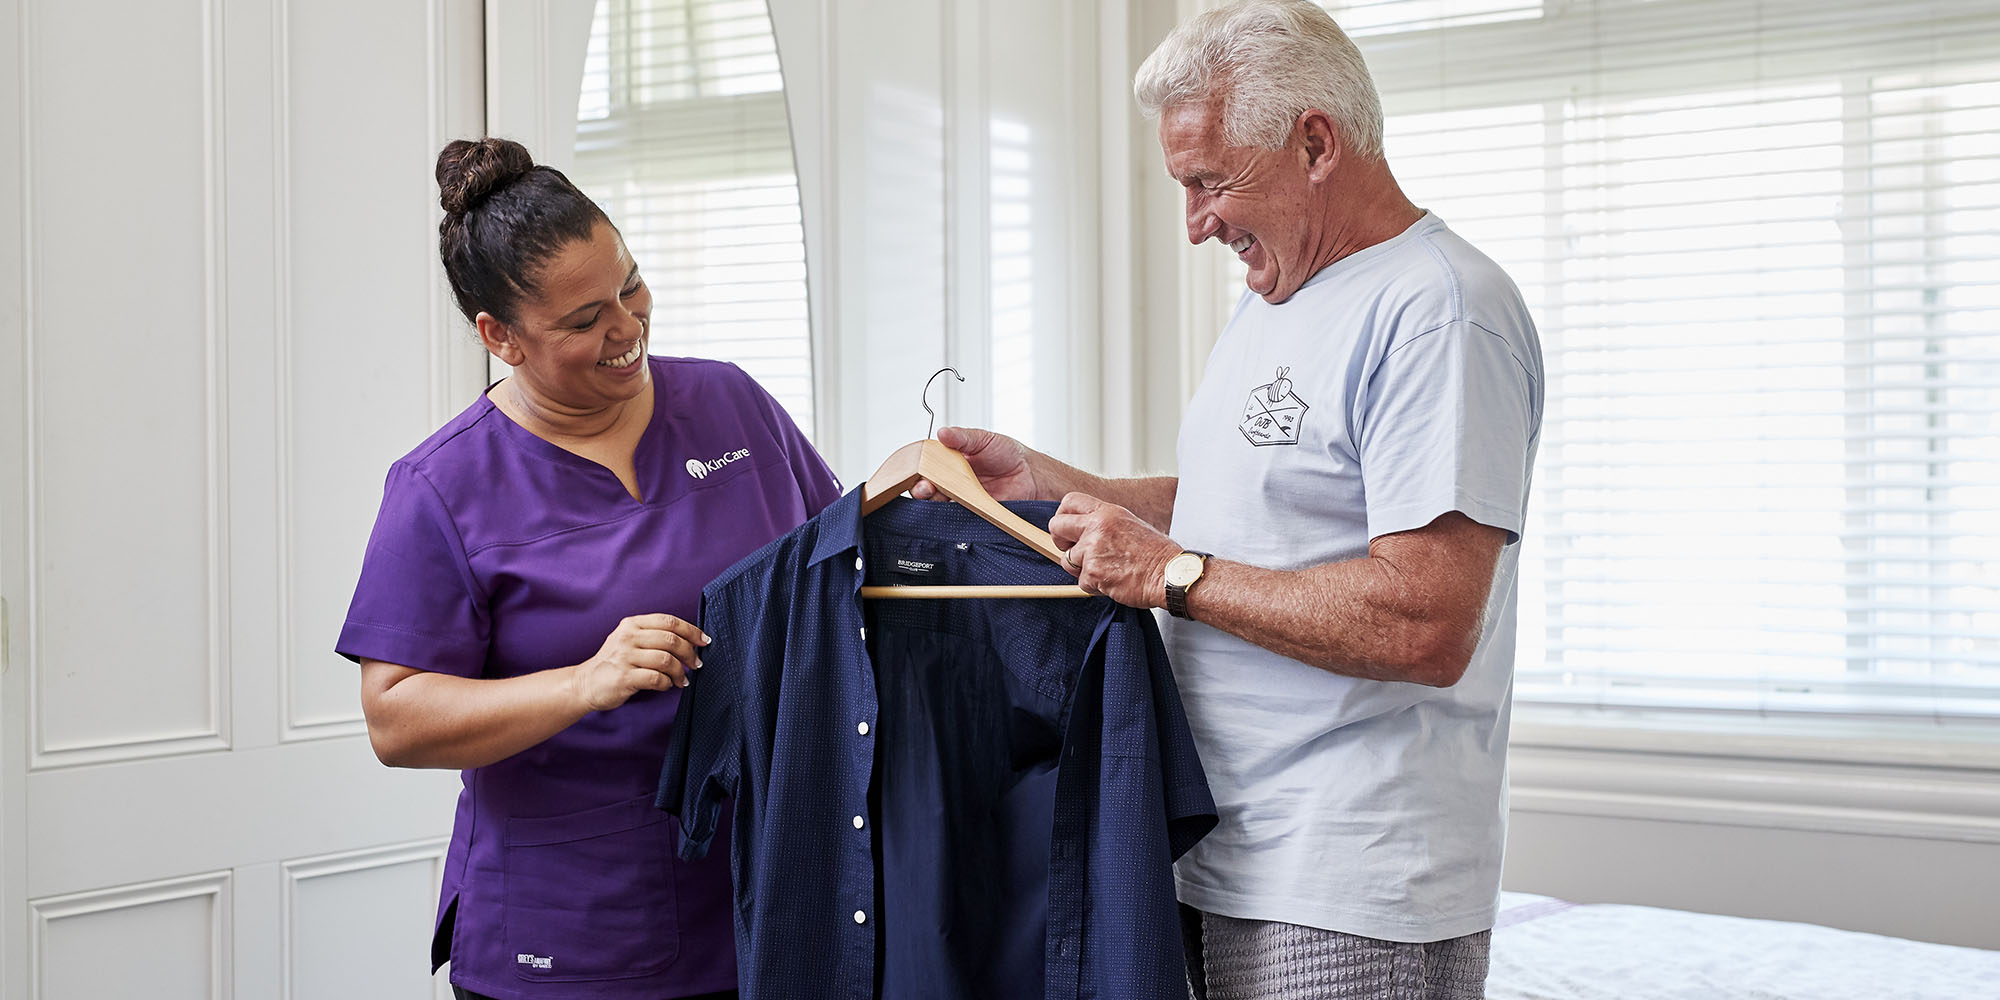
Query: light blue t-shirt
[[1399, 384]]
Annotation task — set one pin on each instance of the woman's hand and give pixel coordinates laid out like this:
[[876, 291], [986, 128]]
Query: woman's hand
[[419, 718], [644, 653]]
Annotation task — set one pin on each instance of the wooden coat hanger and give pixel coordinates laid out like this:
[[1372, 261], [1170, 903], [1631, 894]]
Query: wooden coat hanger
[[952, 475]]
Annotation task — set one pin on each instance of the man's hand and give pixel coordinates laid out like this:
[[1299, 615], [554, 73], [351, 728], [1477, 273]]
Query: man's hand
[[1112, 551], [1000, 462]]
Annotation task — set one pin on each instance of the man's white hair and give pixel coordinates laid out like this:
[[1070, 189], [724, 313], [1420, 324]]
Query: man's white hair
[[1271, 61]]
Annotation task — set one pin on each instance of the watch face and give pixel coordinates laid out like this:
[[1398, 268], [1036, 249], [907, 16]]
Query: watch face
[[1183, 569]]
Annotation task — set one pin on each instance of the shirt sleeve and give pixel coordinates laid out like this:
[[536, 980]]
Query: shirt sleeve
[[700, 769], [1143, 717], [417, 604], [818, 486], [1448, 422]]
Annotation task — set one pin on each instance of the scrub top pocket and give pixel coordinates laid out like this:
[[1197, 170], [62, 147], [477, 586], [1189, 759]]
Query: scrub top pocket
[[590, 895]]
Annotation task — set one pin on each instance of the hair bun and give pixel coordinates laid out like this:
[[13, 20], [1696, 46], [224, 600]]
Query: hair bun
[[468, 171]]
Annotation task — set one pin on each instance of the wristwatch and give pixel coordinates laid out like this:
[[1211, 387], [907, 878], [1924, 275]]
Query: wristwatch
[[1183, 571]]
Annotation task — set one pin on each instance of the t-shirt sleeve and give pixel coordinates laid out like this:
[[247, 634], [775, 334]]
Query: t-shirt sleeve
[[417, 604], [1447, 422], [700, 769], [818, 486]]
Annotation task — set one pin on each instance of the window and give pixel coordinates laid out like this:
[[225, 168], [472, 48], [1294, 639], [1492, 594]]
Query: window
[[1761, 242], [682, 135]]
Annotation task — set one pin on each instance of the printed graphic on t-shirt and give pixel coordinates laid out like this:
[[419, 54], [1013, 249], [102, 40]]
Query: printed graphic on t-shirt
[[1274, 413]]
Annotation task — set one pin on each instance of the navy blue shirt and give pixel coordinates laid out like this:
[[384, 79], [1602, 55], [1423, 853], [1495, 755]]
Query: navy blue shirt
[[936, 798]]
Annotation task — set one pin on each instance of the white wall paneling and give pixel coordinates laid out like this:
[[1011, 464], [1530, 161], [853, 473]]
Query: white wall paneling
[[221, 317], [329, 955], [1892, 837], [170, 940], [125, 429], [1909, 886], [14, 488], [1929, 802], [225, 810], [356, 333]]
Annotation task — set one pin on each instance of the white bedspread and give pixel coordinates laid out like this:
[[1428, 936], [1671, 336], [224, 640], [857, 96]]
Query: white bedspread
[[1548, 949]]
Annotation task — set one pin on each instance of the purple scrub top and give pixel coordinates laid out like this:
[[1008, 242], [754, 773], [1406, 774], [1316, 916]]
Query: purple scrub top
[[497, 554]]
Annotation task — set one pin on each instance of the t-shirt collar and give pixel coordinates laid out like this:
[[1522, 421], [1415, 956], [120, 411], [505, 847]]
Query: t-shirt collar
[[1424, 223]]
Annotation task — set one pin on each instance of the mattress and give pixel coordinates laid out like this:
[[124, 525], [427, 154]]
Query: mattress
[[1549, 949]]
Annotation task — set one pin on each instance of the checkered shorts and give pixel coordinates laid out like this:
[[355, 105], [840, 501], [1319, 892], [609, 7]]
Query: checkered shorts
[[1232, 959]]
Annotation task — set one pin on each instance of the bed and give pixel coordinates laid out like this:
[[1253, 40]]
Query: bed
[[1550, 949]]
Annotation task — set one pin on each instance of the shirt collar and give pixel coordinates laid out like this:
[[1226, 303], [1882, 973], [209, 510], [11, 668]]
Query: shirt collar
[[839, 528], [840, 523]]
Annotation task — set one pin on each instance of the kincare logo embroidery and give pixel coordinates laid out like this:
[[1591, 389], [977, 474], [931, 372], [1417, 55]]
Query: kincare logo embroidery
[[700, 469]]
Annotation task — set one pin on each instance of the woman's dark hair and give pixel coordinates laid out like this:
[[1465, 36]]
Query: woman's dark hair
[[503, 218]]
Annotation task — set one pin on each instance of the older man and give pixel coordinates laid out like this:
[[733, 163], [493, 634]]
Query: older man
[[1357, 460]]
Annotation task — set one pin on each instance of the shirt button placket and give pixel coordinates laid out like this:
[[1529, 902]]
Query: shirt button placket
[[861, 728]]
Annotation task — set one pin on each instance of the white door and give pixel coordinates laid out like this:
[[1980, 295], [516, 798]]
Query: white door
[[221, 317]]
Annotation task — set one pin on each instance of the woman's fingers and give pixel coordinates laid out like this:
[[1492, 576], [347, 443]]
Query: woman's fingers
[[665, 679], [656, 651], [674, 652], [649, 630], [670, 663]]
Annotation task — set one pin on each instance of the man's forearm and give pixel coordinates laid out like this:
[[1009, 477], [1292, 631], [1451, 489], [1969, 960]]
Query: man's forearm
[[1150, 497], [1412, 610], [1339, 617]]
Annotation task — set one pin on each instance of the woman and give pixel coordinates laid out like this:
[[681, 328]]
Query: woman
[[526, 601]]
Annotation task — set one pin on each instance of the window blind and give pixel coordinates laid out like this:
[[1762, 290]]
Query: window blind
[[1761, 239], [682, 136]]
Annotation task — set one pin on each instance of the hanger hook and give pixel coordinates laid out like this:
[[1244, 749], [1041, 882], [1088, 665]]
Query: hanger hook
[[926, 400]]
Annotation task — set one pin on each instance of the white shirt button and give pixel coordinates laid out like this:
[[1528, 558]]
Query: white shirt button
[[857, 564], [860, 917], [861, 728], [864, 635], [858, 821]]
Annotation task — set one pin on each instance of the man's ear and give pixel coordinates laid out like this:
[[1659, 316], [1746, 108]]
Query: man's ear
[[499, 339], [1319, 141]]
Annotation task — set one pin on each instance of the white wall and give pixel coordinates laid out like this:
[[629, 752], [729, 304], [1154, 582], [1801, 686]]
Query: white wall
[[220, 320], [1876, 831]]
